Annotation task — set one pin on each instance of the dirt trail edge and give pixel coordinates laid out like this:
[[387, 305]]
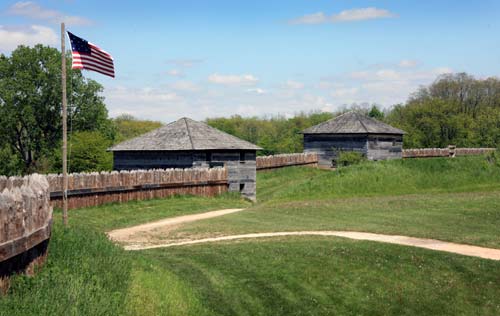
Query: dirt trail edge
[[124, 234], [466, 250], [129, 237]]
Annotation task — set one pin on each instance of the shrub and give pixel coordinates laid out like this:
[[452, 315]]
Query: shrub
[[346, 158], [494, 157]]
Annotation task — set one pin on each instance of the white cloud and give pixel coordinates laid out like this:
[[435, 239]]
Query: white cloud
[[352, 15], [362, 14], [442, 70], [257, 91], [290, 84], [233, 79], [314, 18], [32, 10], [407, 63], [150, 103], [175, 73], [385, 86], [11, 37]]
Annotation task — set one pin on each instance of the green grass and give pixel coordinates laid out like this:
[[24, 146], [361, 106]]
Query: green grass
[[85, 274], [330, 276], [471, 218], [394, 177], [110, 216], [449, 199]]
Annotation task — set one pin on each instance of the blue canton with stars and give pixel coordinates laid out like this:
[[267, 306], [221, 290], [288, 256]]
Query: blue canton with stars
[[78, 44]]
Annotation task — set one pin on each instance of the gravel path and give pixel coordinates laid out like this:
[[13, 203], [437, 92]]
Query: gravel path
[[126, 235], [466, 250], [137, 237]]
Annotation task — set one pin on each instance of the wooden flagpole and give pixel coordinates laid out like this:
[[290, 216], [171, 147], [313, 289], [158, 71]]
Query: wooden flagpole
[[65, 127]]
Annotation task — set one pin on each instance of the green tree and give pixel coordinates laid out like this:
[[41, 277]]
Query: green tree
[[128, 127], [30, 105], [275, 135], [456, 109], [87, 152], [376, 113]]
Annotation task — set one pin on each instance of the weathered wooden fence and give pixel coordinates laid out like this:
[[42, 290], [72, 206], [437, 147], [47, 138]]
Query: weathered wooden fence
[[286, 160], [450, 151], [25, 223], [92, 189]]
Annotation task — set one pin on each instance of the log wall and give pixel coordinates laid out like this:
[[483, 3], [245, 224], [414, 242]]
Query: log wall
[[451, 151], [93, 189], [326, 146], [286, 160], [25, 223]]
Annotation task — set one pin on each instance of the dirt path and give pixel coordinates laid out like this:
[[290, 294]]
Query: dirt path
[[466, 250], [129, 234], [141, 237]]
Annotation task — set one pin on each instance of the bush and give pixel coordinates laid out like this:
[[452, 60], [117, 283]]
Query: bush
[[347, 158], [494, 157]]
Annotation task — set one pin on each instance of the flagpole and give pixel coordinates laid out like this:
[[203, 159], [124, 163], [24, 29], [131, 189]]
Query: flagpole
[[65, 127]]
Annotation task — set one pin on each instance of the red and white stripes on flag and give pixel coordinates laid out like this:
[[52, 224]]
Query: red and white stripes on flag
[[90, 57]]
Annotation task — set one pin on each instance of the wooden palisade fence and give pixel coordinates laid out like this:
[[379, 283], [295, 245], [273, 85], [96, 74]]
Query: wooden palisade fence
[[286, 160], [450, 151], [92, 189], [25, 223]]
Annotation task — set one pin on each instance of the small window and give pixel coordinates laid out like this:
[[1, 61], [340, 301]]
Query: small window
[[242, 186]]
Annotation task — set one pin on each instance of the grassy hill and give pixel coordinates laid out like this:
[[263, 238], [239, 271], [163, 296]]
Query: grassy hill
[[448, 199]]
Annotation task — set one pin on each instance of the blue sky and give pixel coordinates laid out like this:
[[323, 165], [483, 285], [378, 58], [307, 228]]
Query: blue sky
[[218, 58]]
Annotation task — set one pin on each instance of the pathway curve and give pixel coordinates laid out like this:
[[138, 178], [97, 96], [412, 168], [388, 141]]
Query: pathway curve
[[125, 235], [137, 237], [466, 250]]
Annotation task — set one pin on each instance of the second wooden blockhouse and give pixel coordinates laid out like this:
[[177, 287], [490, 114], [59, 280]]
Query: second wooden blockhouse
[[186, 143], [353, 131]]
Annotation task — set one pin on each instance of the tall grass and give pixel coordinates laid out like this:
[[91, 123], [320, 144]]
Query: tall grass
[[85, 274], [392, 177]]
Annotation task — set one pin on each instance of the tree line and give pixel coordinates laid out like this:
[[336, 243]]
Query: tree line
[[455, 109]]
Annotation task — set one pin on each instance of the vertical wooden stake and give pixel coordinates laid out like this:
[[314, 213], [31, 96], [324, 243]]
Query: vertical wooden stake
[[65, 127]]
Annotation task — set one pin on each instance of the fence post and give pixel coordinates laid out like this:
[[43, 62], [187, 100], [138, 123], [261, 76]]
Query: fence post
[[451, 151]]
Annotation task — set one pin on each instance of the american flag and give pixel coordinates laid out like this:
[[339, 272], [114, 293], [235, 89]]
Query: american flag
[[88, 56]]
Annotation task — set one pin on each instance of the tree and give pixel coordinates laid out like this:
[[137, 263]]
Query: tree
[[128, 127], [87, 151], [456, 109], [376, 113], [30, 104]]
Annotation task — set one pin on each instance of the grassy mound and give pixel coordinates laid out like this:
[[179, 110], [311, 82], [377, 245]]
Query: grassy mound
[[85, 274], [394, 177]]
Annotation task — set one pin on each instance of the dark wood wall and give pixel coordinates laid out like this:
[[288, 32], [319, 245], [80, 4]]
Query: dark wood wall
[[382, 147], [374, 147], [325, 145], [241, 164]]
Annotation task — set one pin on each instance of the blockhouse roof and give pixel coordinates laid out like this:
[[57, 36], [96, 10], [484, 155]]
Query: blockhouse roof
[[184, 134], [352, 123]]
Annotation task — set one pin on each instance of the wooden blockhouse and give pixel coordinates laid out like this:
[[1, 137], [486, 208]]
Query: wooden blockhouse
[[353, 131], [187, 143]]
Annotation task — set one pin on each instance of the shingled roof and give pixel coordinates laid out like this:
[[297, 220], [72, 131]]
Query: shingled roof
[[352, 123], [184, 134]]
